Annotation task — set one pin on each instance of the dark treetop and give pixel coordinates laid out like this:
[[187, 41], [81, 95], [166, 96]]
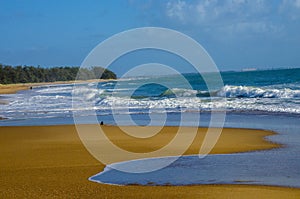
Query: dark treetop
[[31, 74]]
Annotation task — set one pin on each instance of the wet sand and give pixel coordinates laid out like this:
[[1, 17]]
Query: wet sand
[[51, 161]]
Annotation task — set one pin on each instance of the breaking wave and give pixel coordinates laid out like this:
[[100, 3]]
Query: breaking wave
[[257, 92], [230, 91]]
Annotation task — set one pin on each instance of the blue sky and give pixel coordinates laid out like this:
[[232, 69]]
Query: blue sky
[[236, 33]]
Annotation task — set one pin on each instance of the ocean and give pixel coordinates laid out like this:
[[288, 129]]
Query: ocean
[[251, 92]]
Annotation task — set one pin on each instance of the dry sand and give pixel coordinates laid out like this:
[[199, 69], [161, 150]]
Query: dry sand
[[13, 88], [51, 162]]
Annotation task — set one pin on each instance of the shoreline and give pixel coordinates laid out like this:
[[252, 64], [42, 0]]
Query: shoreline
[[51, 161], [14, 88]]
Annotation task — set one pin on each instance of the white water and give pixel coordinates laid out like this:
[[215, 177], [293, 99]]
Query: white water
[[56, 101]]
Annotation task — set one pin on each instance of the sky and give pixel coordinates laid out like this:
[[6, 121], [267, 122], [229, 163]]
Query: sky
[[236, 33]]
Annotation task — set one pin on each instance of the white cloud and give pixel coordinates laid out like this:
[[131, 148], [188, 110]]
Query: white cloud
[[290, 8], [229, 16], [297, 3], [176, 10], [292, 3], [198, 11]]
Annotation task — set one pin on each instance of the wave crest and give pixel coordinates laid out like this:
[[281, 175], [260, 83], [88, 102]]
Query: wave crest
[[255, 92]]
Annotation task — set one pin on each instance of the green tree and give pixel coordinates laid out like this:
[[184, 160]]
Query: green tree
[[31, 74]]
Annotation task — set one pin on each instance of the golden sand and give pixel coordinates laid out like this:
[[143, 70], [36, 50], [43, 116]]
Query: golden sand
[[49, 162], [13, 88]]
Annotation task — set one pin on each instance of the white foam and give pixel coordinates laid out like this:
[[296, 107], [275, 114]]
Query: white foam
[[147, 103], [181, 92], [255, 92], [239, 98], [86, 93], [55, 90]]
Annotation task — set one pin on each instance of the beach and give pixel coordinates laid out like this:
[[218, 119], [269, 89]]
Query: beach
[[150, 99], [14, 88], [51, 161], [43, 157]]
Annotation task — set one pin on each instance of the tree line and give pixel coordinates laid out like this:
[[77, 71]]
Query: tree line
[[31, 74]]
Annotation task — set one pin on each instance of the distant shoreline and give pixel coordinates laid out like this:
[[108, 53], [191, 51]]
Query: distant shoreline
[[14, 88]]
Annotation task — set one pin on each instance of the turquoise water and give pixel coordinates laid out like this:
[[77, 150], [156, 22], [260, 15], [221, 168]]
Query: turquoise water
[[270, 91]]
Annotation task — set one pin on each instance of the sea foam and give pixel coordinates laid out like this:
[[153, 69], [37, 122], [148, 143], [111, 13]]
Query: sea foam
[[257, 92]]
